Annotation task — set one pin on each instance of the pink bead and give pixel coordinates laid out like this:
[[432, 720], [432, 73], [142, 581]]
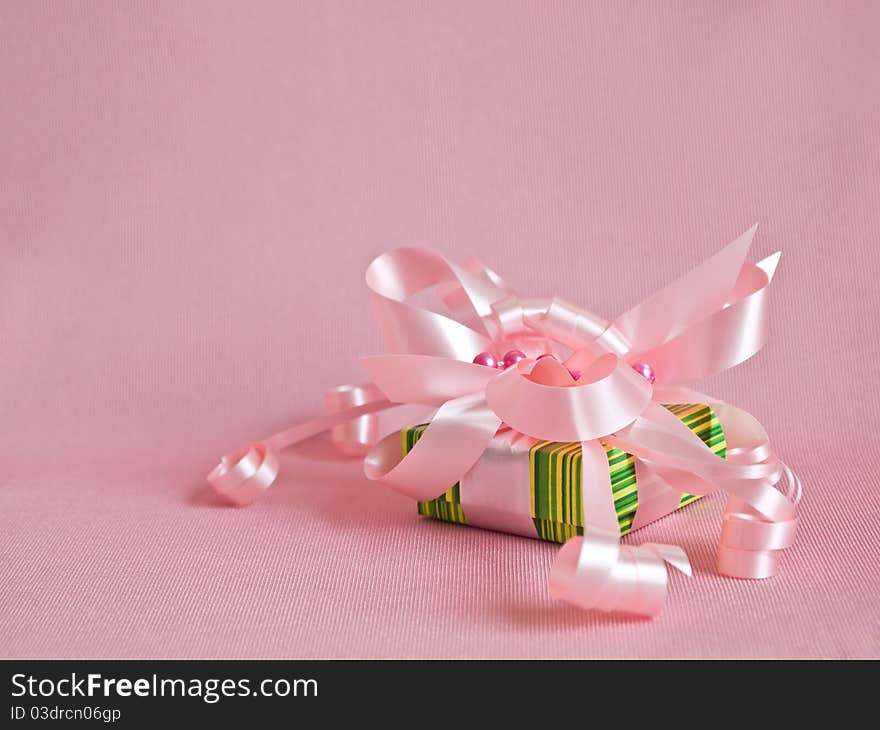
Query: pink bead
[[487, 359], [512, 357], [645, 370], [575, 373]]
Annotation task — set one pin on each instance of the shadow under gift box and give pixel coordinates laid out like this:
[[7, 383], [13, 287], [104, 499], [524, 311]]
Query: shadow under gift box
[[554, 484]]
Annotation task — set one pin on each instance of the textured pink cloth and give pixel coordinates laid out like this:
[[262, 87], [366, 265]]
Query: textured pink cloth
[[189, 195]]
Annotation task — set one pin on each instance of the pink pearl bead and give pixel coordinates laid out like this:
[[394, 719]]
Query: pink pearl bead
[[512, 357], [645, 370], [487, 359]]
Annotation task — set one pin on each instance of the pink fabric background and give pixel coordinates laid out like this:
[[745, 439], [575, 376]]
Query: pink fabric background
[[189, 195]]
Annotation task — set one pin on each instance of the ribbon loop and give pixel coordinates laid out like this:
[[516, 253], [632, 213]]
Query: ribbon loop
[[606, 397], [566, 323], [457, 436]]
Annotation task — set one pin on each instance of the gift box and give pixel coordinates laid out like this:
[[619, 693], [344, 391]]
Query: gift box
[[531, 399], [555, 480]]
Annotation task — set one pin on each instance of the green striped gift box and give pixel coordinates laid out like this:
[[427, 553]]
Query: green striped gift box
[[555, 479]]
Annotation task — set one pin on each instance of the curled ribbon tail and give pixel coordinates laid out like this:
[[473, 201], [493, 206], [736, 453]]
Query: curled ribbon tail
[[590, 573], [243, 475], [751, 544], [597, 572], [759, 519]]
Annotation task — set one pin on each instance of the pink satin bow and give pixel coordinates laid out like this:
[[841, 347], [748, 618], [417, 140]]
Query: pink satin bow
[[711, 319]]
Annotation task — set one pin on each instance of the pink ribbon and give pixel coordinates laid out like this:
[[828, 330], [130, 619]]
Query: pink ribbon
[[709, 320]]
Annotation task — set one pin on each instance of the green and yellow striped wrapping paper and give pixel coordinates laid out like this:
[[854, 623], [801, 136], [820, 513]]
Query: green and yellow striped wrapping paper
[[555, 479]]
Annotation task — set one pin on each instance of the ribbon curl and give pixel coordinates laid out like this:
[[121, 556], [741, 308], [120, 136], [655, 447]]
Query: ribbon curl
[[711, 319]]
